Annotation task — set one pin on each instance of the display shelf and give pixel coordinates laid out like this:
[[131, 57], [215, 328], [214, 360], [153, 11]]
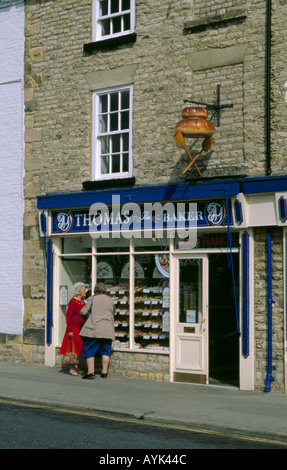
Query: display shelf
[[149, 313], [120, 295]]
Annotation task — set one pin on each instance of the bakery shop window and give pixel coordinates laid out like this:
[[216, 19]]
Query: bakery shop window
[[114, 271], [138, 282], [136, 274], [113, 18], [112, 149], [151, 302]]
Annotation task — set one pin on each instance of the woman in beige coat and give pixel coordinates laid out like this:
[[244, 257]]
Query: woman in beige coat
[[98, 331]]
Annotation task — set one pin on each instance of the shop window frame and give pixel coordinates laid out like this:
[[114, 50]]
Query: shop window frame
[[133, 254], [97, 256]]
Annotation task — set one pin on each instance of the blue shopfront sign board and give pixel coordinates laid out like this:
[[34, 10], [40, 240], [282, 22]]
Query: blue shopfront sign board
[[150, 216]]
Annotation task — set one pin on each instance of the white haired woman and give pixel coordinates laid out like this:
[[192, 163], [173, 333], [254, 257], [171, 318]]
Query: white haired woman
[[72, 341]]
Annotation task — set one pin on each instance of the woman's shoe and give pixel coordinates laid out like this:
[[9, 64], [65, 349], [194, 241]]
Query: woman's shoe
[[89, 376], [73, 372], [104, 376]]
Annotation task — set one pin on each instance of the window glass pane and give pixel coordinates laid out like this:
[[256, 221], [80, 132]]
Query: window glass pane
[[76, 245], [116, 25], [77, 269], [125, 100], [104, 145], [72, 270], [105, 245], [190, 290], [126, 22], [125, 158], [103, 108], [125, 142], [103, 7], [125, 120], [151, 307], [115, 143], [105, 165], [114, 122], [114, 102], [103, 123], [151, 244], [125, 5], [114, 6], [114, 272], [116, 164], [105, 27]]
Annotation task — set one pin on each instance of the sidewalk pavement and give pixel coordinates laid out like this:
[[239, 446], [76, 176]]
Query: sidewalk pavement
[[217, 408]]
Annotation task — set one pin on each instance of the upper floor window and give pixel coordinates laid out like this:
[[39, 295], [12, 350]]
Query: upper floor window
[[112, 155], [113, 18]]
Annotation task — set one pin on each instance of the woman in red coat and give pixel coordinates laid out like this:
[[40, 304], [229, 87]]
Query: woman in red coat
[[74, 324]]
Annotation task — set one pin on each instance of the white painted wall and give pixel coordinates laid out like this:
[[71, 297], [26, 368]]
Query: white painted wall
[[11, 165]]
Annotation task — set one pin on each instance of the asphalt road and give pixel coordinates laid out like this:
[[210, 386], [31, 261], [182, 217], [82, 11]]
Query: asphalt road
[[29, 427]]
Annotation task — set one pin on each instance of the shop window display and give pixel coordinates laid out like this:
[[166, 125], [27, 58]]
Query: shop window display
[[148, 305], [151, 302], [141, 295], [113, 271]]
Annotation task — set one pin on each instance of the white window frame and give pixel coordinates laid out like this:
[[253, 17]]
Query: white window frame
[[98, 19], [97, 135]]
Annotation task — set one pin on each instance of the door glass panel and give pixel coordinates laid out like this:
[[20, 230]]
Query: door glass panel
[[190, 298]]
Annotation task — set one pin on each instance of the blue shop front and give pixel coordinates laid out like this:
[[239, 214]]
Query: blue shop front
[[178, 260]]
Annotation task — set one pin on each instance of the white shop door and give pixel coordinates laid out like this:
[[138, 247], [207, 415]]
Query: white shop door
[[191, 341]]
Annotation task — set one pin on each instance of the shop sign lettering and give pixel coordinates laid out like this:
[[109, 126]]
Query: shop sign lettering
[[131, 219]]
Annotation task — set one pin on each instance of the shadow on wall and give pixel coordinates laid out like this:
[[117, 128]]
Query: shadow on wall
[[208, 166], [183, 160]]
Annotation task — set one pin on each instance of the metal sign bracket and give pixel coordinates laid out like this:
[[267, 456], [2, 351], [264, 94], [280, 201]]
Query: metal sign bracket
[[216, 108]]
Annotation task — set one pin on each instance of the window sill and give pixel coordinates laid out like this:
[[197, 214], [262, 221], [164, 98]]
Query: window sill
[[109, 184], [141, 350], [93, 47]]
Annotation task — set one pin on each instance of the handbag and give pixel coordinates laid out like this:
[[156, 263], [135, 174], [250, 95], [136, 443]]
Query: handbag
[[70, 358]]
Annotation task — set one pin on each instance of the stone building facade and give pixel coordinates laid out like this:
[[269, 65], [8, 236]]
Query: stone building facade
[[179, 50]]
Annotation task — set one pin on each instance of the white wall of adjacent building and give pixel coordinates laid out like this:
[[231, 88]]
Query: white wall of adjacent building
[[11, 165]]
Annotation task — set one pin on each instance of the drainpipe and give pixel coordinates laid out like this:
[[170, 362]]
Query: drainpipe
[[269, 376], [268, 88]]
